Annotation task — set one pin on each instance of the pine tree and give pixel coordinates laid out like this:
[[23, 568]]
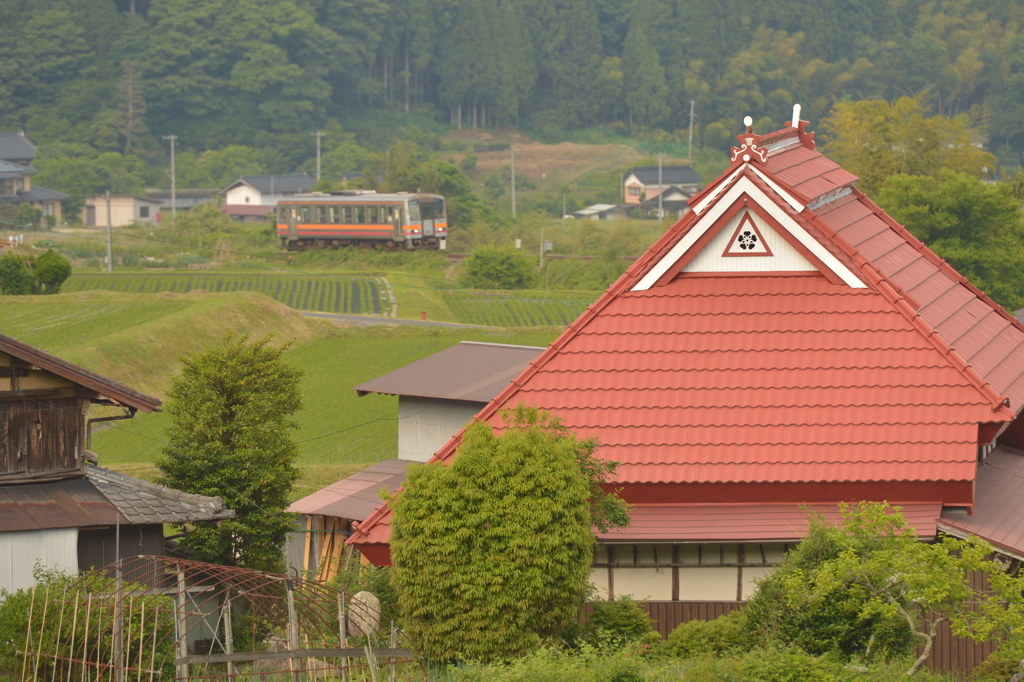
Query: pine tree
[[646, 89], [577, 66]]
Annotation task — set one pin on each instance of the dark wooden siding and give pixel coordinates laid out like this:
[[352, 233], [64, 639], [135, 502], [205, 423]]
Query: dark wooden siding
[[96, 548], [950, 654], [41, 436]]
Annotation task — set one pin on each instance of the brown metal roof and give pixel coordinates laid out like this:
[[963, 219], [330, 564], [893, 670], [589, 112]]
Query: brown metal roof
[[72, 503], [96, 499], [354, 497], [470, 371], [998, 503], [679, 523], [72, 372]]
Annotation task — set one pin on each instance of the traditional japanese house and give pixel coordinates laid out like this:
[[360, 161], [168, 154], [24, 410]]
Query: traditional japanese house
[[786, 343], [57, 508]]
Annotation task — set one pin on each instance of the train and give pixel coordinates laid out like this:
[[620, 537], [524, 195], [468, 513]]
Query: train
[[363, 218]]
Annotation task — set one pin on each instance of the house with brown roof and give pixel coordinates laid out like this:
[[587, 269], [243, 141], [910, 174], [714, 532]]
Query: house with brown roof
[[437, 396], [786, 343], [58, 508]]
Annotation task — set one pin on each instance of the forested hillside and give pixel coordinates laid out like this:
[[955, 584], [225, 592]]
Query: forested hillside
[[88, 77]]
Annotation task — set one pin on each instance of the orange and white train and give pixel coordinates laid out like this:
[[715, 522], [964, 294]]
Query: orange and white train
[[362, 218]]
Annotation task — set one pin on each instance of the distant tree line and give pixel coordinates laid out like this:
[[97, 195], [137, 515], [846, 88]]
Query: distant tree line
[[263, 73]]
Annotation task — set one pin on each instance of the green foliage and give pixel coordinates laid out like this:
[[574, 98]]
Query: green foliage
[[230, 409], [978, 228], [723, 635], [52, 270], [556, 665], [492, 552], [873, 572], [619, 622], [497, 268], [876, 140], [16, 276]]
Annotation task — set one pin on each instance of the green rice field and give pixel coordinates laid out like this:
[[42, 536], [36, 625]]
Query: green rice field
[[327, 293], [518, 309]]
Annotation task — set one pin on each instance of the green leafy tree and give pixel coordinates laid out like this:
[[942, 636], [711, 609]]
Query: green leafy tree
[[497, 268], [51, 270], [493, 551], [875, 140], [978, 228], [231, 409], [884, 574], [643, 75], [16, 276]]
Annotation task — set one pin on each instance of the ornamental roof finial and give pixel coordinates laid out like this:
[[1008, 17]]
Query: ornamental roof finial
[[749, 151]]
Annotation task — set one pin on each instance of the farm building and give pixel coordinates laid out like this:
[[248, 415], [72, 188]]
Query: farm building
[[643, 182], [436, 397], [57, 508], [266, 190], [786, 343], [125, 209]]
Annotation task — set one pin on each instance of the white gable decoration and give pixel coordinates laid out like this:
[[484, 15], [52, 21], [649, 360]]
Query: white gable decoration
[[768, 250], [711, 258]]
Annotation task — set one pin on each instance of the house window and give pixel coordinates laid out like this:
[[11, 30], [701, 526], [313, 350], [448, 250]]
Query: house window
[[247, 200], [48, 208], [143, 211], [634, 191]]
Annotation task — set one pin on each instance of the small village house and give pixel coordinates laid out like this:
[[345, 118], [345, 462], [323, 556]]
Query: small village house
[[266, 190], [642, 183], [436, 397], [785, 344], [16, 171], [125, 209], [58, 509]]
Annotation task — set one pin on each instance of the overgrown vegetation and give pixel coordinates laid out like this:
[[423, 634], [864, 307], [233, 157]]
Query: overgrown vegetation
[[21, 275], [492, 553]]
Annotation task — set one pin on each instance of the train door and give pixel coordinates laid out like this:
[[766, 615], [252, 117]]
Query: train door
[[293, 229], [427, 215]]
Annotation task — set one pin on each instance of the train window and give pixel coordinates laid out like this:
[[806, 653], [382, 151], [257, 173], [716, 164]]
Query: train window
[[439, 208], [346, 214], [333, 210], [371, 214], [360, 212], [414, 211], [305, 215], [427, 210], [321, 215], [282, 214]]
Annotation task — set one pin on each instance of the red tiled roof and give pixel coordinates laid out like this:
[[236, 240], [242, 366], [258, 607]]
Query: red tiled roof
[[998, 510], [678, 523], [776, 377]]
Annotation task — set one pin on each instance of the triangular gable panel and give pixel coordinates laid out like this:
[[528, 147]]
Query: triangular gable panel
[[746, 239], [741, 197]]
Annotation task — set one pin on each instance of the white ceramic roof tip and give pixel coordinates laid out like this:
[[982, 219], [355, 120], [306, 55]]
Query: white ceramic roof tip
[[796, 116], [747, 121]]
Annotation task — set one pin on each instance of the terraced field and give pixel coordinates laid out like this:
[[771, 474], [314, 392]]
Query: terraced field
[[518, 309], [326, 293]]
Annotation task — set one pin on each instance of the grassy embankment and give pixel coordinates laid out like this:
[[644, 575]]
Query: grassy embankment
[[139, 338]]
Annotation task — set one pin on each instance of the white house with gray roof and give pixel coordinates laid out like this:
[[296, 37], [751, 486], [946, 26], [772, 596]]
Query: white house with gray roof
[[16, 171], [266, 190]]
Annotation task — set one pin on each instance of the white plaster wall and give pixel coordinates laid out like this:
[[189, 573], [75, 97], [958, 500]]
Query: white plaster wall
[[243, 194], [599, 579], [785, 258], [751, 574], [424, 425], [706, 583], [646, 583], [20, 552]]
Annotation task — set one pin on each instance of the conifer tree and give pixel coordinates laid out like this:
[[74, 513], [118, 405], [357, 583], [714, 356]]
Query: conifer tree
[[577, 66], [644, 77]]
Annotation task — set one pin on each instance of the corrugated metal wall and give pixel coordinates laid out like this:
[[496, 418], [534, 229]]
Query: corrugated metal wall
[[21, 551]]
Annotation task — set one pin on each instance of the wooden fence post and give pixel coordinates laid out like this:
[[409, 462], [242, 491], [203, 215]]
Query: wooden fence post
[[344, 636], [293, 631], [229, 635], [179, 626]]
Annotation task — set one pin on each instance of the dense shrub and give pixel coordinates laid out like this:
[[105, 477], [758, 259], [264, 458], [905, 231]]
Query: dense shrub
[[619, 622], [497, 268], [709, 637]]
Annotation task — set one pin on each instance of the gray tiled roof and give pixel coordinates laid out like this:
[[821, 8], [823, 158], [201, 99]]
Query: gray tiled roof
[[292, 183], [16, 147], [142, 502]]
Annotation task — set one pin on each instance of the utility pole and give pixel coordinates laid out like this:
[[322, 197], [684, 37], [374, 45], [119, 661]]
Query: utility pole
[[661, 190], [513, 150], [318, 134], [541, 247], [563, 205], [110, 241], [689, 144], [174, 180]]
